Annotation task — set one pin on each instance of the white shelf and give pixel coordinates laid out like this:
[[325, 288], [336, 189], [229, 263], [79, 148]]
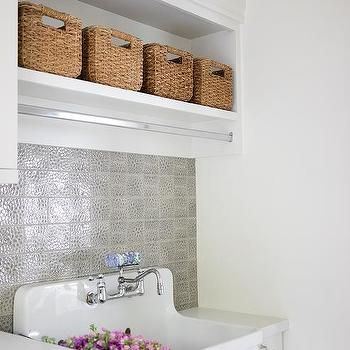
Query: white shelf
[[187, 24], [120, 103]]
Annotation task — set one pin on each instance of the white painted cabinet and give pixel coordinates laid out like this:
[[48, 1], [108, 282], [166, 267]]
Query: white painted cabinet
[[274, 343], [204, 27], [8, 92]]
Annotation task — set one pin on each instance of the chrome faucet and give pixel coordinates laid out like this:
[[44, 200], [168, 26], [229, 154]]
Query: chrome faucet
[[127, 287], [141, 276]]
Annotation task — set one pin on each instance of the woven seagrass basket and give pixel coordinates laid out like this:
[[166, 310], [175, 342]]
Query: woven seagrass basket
[[107, 63], [212, 84], [45, 48], [167, 78]]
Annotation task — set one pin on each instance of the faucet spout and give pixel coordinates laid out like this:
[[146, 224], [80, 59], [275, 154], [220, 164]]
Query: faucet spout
[[141, 276]]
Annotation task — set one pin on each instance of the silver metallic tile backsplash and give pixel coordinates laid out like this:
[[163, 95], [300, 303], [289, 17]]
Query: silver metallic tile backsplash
[[72, 206]]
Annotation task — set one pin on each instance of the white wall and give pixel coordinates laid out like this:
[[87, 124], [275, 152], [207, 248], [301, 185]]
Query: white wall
[[274, 223]]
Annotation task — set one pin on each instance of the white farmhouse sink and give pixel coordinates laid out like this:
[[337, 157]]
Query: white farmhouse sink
[[60, 310]]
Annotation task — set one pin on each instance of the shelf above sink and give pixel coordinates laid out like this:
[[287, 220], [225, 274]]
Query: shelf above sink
[[77, 113], [120, 103]]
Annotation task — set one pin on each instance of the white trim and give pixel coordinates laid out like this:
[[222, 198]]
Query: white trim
[[8, 176]]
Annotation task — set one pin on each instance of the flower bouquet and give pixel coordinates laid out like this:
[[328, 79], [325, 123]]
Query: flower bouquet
[[107, 340]]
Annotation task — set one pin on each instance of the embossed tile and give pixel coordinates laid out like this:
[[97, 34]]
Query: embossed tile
[[166, 166], [151, 228], [67, 210], [173, 251], [136, 208], [82, 204], [192, 227], [151, 254], [191, 167], [167, 186], [151, 185], [193, 292], [23, 211], [33, 156], [80, 159], [192, 269], [118, 185], [69, 159], [180, 166], [6, 323], [118, 162], [7, 294], [179, 271], [89, 235], [181, 293], [192, 248], [151, 208], [166, 229], [191, 186], [167, 207], [99, 161], [192, 208], [135, 231], [118, 233], [27, 239], [180, 230], [47, 184], [181, 189], [100, 209], [59, 158], [100, 184], [21, 268], [181, 207], [83, 184], [135, 186], [135, 163], [150, 164], [119, 208]]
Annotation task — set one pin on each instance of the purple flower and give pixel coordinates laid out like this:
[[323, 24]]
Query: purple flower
[[106, 340]]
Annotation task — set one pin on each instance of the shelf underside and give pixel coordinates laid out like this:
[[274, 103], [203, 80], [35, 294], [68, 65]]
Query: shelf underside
[[168, 15]]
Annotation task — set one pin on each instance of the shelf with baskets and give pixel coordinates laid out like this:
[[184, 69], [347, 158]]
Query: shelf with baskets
[[187, 25]]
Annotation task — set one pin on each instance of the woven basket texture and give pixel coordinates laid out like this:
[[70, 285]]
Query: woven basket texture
[[212, 84], [107, 63], [45, 48], [167, 78]]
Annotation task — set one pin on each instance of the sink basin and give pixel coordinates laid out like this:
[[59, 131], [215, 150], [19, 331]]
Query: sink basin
[[60, 310]]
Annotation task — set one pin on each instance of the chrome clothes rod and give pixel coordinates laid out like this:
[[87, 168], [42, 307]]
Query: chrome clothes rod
[[121, 123]]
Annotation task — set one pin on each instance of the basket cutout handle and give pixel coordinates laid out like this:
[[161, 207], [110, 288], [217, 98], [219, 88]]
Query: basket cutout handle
[[175, 56], [170, 57], [54, 19], [218, 70], [122, 40]]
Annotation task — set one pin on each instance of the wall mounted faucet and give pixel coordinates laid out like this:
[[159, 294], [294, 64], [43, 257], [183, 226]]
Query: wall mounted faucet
[[127, 287]]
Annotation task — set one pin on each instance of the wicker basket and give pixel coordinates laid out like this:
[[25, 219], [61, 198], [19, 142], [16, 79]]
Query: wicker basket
[[167, 78], [46, 48], [107, 63], [212, 84]]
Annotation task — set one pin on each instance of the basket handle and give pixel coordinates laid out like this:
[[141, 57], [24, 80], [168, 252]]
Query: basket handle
[[182, 54], [46, 11], [222, 72], [124, 36]]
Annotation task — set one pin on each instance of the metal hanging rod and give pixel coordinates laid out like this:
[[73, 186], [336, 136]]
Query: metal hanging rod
[[121, 123]]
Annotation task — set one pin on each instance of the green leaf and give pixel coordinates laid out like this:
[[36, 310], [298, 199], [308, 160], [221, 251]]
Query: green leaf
[[48, 340]]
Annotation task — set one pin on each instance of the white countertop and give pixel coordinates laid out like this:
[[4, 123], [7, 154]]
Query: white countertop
[[16, 342], [269, 326]]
